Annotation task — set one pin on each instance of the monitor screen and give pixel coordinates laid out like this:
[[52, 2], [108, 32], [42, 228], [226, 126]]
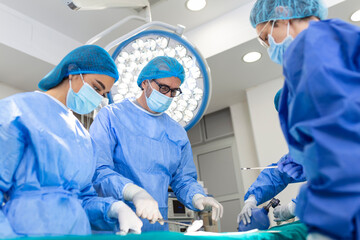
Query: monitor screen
[[178, 207]]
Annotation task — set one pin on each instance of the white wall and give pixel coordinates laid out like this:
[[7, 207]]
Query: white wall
[[269, 141], [245, 143], [6, 90]]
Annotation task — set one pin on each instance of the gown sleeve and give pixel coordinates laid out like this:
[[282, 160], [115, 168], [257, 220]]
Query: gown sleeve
[[269, 183], [107, 181], [97, 208], [12, 145], [184, 180]]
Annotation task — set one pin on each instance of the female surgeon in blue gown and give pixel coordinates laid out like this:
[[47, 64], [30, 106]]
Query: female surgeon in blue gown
[[47, 159], [319, 108]]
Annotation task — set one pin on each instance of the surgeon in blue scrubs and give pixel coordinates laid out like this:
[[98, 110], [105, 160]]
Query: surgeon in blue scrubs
[[47, 158], [319, 109], [145, 150], [271, 182]]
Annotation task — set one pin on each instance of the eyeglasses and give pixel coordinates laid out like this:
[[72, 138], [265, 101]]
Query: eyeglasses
[[262, 42], [164, 89]]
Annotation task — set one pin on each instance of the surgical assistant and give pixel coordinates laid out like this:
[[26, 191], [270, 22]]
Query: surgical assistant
[[148, 150], [319, 109], [47, 158], [271, 182]]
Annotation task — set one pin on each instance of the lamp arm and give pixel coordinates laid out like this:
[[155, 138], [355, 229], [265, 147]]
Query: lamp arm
[[100, 35], [179, 29]]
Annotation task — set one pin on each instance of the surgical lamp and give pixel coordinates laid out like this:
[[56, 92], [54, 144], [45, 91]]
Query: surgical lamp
[[136, 48], [134, 53]]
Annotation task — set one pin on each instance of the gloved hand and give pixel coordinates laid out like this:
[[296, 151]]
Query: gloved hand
[[245, 213], [201, 202], [291, 168], [146, 206], [283, 213], [128, 221]]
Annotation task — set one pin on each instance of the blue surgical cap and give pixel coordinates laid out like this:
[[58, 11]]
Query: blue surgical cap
[[266, 10], [277, 99], [161, 67], [88, 59]]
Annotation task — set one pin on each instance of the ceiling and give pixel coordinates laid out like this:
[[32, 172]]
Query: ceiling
[[23, 65], [82, 25]]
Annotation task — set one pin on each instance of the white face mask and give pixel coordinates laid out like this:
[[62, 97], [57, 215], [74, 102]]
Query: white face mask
[[276, 50], [157, 101], [85, 101]]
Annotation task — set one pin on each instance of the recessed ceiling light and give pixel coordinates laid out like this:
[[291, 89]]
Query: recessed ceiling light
[[251, 57], [195, 5], [355, 17]]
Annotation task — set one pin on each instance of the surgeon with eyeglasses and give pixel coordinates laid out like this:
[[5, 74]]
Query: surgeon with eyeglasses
[[319, 108], [145, 150]]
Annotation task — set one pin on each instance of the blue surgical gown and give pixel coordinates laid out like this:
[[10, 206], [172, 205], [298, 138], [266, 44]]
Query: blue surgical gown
[[150, 151], [269, 183], [320, 118], [46, 168]]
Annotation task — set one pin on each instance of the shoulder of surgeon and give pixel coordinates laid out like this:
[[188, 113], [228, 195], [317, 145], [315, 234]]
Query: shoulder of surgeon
[[335, 27], [18, 105], [319, 32], [323, 38], [23, 100], [174, 125]]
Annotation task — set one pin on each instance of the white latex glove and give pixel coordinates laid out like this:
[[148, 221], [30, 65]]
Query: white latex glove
[[146, 206], [245, 213], [128, 221], [283, 213], [207, 203]]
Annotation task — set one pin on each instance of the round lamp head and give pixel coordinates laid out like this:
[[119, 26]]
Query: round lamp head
[[133, 54]]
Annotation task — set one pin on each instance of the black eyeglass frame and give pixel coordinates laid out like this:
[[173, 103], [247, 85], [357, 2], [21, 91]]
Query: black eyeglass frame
[[164, 89]]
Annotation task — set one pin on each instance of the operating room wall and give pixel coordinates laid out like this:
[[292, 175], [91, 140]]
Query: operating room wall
[[270, 144], [245, 142], [269, 141], [217, 161], [6, 90]]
